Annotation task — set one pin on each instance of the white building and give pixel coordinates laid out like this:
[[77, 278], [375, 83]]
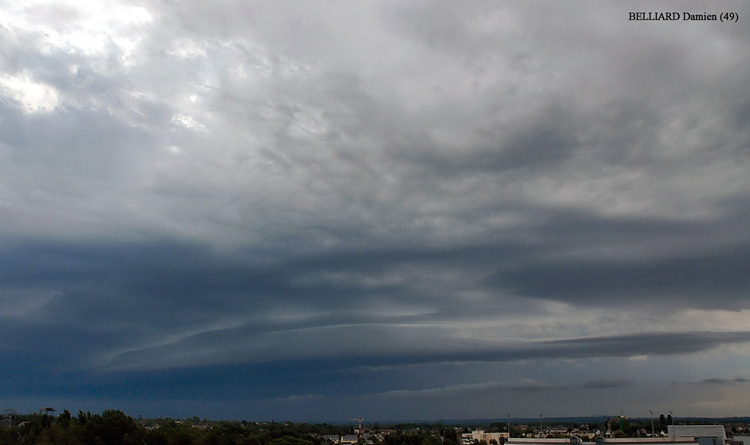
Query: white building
[[604, 441], [482, 436], [703, 434]]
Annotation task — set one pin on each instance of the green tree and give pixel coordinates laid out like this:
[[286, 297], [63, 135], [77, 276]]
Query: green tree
[[64, 419], [450, 437], [290, 440], [429, 439], [113, 427]]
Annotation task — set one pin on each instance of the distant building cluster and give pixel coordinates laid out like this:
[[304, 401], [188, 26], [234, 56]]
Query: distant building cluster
[[349, 439], [676, 435]]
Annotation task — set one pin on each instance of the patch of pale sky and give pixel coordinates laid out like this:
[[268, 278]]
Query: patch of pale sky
[[187, 122], [33, 96], [723, 400], [555, 320], [503, 322], [706, 320], [88, 28]]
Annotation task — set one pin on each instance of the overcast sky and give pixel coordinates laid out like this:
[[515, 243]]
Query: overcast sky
[[299, 210]]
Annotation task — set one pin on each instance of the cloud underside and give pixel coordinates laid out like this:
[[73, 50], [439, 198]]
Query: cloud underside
[[357, 351], [173, 305]]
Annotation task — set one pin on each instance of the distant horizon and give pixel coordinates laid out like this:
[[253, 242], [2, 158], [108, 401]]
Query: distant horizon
[[533, 420]]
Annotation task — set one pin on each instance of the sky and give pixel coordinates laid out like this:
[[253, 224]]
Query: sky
[[314, 211]]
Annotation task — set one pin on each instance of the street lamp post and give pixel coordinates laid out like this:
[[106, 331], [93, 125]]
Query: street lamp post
[[652, 423], [541, 429], [508, 425]]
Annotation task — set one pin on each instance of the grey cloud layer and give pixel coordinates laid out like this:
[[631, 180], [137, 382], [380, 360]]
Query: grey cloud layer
[[369, 185]]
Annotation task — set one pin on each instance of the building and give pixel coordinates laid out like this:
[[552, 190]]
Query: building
[[604, 441], [479, 436], [703, 434], [348, 439]]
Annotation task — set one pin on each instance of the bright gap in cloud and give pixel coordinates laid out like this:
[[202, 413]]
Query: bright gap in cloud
[[85, 28], [34, 97]]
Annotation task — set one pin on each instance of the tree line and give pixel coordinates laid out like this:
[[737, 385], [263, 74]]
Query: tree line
[[113, 427]]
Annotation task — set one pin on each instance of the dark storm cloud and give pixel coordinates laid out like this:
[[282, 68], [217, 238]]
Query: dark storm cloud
[[529, 386], [721, 381], [703, 281], [212, 308], [606, 384], [546, 138]]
